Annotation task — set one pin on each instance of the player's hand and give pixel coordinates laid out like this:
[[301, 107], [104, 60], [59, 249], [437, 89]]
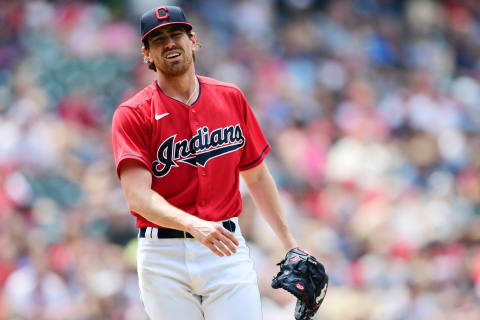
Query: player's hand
[[214, 236]]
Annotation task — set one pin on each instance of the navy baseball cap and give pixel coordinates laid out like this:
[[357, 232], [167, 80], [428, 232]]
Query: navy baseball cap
[[162, 16]]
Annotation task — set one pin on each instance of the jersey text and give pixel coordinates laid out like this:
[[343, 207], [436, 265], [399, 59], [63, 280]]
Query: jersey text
[[202, 147]]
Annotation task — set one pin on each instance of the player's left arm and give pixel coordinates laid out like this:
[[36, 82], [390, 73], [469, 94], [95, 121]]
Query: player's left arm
[[265, 194]]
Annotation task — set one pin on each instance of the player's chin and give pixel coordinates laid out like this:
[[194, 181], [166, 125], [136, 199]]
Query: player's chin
[[176, 68], [173, 72]]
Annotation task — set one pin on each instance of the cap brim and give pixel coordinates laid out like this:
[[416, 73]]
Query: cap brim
[[190, 27]]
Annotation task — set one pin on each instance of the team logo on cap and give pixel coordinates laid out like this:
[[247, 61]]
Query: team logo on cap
[[197, 151], [165, 16]]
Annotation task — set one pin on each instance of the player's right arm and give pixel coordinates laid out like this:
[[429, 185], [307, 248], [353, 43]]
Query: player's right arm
[[136, 181]]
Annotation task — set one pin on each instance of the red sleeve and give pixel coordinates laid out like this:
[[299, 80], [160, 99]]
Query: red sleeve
[[130, 136], [256, 145]]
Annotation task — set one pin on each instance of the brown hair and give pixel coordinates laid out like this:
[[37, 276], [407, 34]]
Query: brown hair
[[151, 64]]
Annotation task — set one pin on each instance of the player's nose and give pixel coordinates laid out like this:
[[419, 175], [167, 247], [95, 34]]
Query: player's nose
[[169, 42]]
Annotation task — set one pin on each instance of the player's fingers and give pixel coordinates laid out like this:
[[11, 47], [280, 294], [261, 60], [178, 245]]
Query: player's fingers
[[221, 247], [230, 236], [228, 243], [214, 249]]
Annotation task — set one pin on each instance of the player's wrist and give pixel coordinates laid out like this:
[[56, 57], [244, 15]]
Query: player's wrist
[[188, 225], [191, 223], [290, 243]]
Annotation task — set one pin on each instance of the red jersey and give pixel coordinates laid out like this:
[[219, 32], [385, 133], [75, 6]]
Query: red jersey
[[194, 153]]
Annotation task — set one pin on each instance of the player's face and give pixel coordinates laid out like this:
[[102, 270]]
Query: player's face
[[171, 50]]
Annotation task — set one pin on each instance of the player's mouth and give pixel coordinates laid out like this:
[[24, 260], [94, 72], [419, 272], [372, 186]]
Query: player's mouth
[[173, 56]]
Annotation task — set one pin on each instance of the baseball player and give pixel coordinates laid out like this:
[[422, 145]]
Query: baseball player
[[180, 146]]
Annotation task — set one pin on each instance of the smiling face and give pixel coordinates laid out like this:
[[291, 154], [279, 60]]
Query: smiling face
[[171, 50]]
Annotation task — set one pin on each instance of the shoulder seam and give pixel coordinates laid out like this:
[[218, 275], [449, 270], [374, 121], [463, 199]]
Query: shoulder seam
[[129, 105], [218, 83], [222, 85], [233, 87]]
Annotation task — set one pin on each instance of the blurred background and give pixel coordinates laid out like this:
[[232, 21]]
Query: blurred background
[[372, 108]]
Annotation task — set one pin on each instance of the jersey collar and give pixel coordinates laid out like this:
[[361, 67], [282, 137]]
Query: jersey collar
[[194, 102]]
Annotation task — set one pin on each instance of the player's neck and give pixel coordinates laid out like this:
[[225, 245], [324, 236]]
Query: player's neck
[[183, 88]]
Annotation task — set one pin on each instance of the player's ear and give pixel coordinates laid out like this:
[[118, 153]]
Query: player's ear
[[146, 56], [193, 38]]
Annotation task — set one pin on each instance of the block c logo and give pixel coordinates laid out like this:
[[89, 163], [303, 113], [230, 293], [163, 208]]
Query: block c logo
[[165, 16]]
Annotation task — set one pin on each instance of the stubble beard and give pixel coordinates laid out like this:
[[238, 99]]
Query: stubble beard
[[177, 68]]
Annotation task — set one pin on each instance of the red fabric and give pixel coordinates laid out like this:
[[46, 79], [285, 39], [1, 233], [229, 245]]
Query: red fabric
[[476, 268], [224, 131]]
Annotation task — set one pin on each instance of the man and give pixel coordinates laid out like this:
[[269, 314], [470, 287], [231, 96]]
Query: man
[[180, 145]]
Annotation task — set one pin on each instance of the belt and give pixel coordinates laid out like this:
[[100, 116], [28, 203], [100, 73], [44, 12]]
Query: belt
[[165, 233]]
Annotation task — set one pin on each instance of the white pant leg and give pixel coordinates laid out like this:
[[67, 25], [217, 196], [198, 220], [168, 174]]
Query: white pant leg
[[164, 281], [237, 302], [228, 285]]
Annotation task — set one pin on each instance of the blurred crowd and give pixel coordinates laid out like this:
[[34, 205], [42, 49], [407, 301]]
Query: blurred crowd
[[372, 108]]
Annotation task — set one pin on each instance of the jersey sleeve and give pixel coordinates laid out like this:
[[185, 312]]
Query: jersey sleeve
[[256, 145], [130, 137]]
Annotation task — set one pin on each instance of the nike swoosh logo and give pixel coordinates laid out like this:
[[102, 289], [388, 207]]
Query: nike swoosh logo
[[160, 116]]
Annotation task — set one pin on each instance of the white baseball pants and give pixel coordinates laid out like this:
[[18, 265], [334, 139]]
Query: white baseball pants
[[181, 279]]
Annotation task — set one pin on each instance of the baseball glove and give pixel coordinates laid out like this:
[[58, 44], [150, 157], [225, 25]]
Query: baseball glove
[[304, 277]]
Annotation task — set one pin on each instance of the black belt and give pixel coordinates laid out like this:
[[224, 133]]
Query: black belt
[[165, 233]]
